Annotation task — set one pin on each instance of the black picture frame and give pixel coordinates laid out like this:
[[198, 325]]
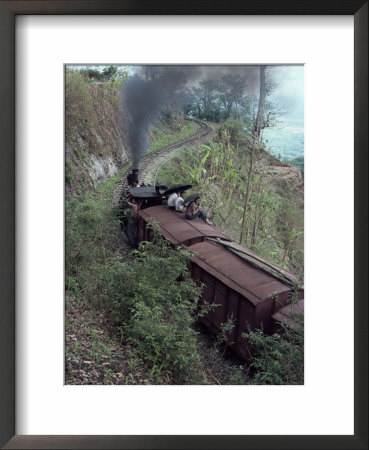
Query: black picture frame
[[8, 11]]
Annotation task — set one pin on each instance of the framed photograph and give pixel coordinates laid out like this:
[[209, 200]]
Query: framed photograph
[[59, 393]]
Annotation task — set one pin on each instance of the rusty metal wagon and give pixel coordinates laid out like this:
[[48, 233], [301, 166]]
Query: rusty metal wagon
[[243, 286]]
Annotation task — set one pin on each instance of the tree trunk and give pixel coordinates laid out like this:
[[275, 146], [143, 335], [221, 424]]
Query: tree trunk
[[257, 216], [260, 116], [286, 252], [256, 135], [247, 190]]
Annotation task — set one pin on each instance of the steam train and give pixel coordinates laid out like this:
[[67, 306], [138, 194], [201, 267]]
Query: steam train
[[243, 286]]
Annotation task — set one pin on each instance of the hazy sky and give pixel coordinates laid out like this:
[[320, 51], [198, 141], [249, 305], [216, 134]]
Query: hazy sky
[[288, 139], [290, 91]]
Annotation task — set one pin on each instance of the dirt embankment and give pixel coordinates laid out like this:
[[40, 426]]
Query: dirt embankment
[[284, 178], [95, 147]]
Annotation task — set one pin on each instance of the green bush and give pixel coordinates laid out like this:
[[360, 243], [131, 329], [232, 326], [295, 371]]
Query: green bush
[[279, 358], [235, 129], [90, 239], [155, 300], [152, 298], [78, 102]]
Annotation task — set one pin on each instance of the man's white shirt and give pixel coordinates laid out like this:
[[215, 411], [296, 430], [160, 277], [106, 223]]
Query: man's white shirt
[[172, 199]]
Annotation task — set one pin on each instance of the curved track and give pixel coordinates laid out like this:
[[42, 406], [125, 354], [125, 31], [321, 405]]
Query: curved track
[[149, 164]]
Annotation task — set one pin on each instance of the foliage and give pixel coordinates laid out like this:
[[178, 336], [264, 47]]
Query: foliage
[[173, 118], [93, 129], [78, 102], [223, 337], [234, 128], [102, 74], [166, 132], [90, 238], [290, 232], [217, 99], [238, 375], [195, 171], [274, 222], [90, 110], [155, 312], [279, 358]]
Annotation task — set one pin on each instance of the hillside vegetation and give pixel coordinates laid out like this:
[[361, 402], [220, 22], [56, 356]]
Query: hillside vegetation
[[95, 146], [273, 224], [125, 323]]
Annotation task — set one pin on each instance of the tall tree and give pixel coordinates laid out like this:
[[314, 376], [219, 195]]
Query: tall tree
[[255, 136], [258, 125], [231, 88]]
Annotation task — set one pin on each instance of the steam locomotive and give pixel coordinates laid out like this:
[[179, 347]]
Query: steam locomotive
[[243, 286]]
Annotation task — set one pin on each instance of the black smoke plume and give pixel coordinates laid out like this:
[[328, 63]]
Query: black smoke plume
[[147, 94]]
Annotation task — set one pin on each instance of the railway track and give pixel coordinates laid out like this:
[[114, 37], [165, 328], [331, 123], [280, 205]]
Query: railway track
[[149, 164]]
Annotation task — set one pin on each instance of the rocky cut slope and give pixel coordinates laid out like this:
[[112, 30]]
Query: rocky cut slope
[[285, 178], [95, 146]]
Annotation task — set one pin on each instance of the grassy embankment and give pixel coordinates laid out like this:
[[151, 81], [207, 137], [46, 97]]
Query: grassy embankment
[[164, 133]]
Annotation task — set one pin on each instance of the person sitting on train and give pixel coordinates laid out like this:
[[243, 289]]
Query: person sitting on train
[[134, 209], [193, 211], [180, 202], [172, 200]]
